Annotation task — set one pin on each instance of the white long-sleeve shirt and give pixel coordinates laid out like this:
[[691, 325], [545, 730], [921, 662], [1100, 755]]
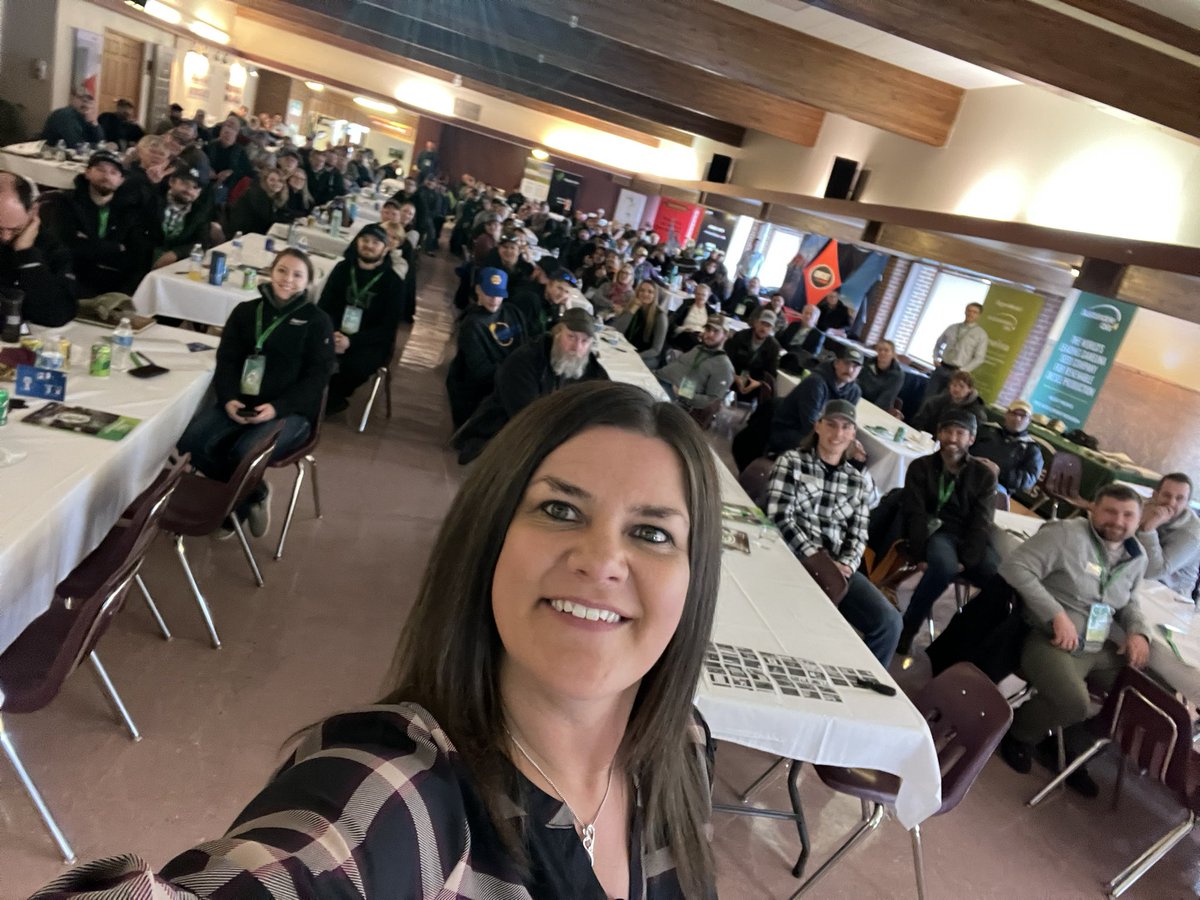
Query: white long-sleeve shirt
[[963, 345]]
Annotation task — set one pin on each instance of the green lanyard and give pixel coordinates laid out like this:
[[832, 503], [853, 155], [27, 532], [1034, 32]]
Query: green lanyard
[[1106, 574], [102, 222], [356, 295], [260, 336], [945, 489]]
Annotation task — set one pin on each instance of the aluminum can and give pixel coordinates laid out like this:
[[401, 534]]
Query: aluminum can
[[269, 245], [3, 406], [101, 360], [249, 278]]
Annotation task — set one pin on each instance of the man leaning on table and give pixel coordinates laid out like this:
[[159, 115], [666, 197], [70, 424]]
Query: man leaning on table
[[31, 259], [704, 374], [1169, 532], [961, 346], [1076, 577]]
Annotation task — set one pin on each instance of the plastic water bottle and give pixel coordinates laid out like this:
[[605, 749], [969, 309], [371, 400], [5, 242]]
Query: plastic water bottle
[[196, 269], [122, 344], [335, 220], [236, 254], [353, 209], [291, 235]]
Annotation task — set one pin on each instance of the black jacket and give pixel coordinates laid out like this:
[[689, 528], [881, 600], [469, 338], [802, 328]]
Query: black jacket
[[764, 361], [299, 356], [1018, 456], [382, 305], [932, 410], [836, 316], [485, 340], [521, 274], [537, 313], [325, 185], [967, 515], [119, 131], [881, 387], [115, 262], [232, 158], [796, 413], [254, 212], [195, 226], [43, 272]]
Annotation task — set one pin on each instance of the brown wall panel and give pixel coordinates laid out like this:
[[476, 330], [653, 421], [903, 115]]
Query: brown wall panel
[[1171, 443]]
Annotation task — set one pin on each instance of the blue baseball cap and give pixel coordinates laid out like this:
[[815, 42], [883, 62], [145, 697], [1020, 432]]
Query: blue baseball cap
[[493, 282]]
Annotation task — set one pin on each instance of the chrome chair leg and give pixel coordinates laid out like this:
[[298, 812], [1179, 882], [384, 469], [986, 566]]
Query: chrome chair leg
[[744, 796], [1156, 851], [387, 390], [291, 510], [204, 611], [932, 630], [312, 469], [36, 796], [863, 829], [111, 690], [918, 860], [1062, 776], [249, 554], [362, 424], [162, 626]]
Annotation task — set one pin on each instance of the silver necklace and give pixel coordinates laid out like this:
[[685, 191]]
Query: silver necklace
[[588, 829]]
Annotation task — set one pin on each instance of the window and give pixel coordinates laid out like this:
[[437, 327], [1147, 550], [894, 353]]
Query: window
[[737, 244], [947, 300], [782, 247]]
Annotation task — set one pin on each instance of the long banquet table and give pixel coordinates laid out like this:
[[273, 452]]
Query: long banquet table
[[770, 608], [44, 172], [69, 489], [888, 459]]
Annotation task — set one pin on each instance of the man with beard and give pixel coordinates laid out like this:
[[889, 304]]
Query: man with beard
[[506, 255], [180, 218], [562, 357], [364, 298], [704, 373], [31, 260], [1012, 448], [228, 159], [1170, 534], [120, 127], [101, 227], [1075, 577], [74, 124], [796, 413]]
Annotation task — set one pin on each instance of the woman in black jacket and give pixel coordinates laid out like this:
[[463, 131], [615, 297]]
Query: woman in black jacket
[[263, 204]]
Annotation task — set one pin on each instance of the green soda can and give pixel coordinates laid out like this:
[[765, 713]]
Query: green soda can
[[101, 363], [249, 278], [3, 406]]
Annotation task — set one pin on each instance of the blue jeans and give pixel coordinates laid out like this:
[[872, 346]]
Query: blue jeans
[[869, 612], [941, 559]]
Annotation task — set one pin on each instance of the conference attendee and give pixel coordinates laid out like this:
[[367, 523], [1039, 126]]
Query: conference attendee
[[488, 333], [611, 298], [399, 219], [507, 256], [31, 259], [561, 358], [644, 324], [1075, 578], [102, 228], [644, 269], [486, 241], [882, 378], [427, 161], [146, 173], [796, 413], [273, 362], [262, 205], [323, 178], [754, 353], [540, 299], [364, 299], [688, 322], [180, 217], [120, 127], [300, 201], [203, 132], [435, 202], [801, 340], [183, 148], [1012, 448], [228, 159], [959, 394], [947, 506], [743, 297], [75, 123], [173, 118], [819, 500], [961, 346], [712, 274], [833, 314], [1169, 532], [410, 194], [704, 374]]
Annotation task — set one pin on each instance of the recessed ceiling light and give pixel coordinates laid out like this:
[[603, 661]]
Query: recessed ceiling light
[[376, 105], [314, 86], [208, 32]]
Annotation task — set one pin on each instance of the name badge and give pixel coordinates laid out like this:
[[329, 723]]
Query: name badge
[[253, 370], [40, 384], [351, 320], [686, 389], [1099, 623], [1093, 568]]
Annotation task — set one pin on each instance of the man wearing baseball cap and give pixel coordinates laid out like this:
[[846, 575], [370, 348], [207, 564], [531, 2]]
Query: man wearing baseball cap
[[181, 216], [101, 227], [489, 331], [947, 505], [703, 374], [541, 367], [754, 353], [538, 299], [1010, 446], [795, 414], [506, 255], [364, 298]]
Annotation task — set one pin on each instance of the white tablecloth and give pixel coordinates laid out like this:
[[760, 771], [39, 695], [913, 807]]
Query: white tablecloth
[[170, 292], [69, 490], [318, 237], [887, 460], [622, 363], [42, 171], [769, 603]]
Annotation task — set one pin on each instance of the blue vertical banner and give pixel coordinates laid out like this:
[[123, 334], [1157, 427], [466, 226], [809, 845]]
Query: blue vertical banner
[[1080, 360]]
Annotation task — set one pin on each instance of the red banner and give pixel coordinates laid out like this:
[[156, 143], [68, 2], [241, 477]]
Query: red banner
[[821, 275]]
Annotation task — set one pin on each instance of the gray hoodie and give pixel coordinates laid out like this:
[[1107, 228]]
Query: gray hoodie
[[710, 371], [1173, 552], [1055, 571]]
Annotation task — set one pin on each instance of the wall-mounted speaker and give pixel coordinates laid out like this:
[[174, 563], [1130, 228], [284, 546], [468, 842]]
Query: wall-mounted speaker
[[841, 179], [718, 168]]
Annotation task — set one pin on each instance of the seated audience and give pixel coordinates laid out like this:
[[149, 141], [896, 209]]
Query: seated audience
[[610, 299], [801, 340], [712, 274], [743, 297], [644, 323], [1075, 577], [960, 394], [146, 174], [819, 500], [540, 299], [488, 332], [687, 322], [75, 123], [228, 158], [704, 374], [31, 259], [261, 206], [120, 127], [507, 256], [796, 413], [754, 353], [273, 362], [948, 504], [644, 269], [1169, 532], [364, 298], [833, 314], [101, 227], [180, 218], [300, 201], [537, 368], [173, 118], [882, 378], [1012, 448]]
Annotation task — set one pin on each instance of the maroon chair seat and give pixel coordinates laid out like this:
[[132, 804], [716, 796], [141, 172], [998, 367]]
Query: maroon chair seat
[[755, 479]]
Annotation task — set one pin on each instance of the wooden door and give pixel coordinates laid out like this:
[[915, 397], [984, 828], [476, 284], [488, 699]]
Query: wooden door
[[120, 72]]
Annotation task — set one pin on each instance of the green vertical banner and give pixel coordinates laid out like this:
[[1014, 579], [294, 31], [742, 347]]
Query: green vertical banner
[[1008, 316], [1080, 360]]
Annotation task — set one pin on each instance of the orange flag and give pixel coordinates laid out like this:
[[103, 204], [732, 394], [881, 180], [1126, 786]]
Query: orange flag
[[821, 275]]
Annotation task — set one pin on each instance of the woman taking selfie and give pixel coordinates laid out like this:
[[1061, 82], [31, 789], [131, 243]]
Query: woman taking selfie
[[538, 737]]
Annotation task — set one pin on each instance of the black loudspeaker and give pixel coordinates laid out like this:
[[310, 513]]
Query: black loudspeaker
[[841, 178], [718, 169]]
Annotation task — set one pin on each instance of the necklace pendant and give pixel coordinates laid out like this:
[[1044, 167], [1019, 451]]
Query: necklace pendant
[[589, 841]]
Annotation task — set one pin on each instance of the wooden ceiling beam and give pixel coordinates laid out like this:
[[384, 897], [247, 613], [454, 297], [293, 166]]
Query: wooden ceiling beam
[[1166, 292], [756, 52], [556, 45], [1145, 21], [1036, 43]]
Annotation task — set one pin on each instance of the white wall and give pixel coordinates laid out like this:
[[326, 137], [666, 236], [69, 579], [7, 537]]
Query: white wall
[[1017, 153], [1163, 347]]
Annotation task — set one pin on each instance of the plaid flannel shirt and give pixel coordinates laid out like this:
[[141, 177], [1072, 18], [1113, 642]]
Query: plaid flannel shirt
[[820, 507], [376, 804]]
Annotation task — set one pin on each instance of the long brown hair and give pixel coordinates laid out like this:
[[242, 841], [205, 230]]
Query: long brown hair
[[449, 655], [650, 311]]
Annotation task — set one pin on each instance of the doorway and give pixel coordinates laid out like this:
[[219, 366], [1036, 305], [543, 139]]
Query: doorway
[[120, 72]]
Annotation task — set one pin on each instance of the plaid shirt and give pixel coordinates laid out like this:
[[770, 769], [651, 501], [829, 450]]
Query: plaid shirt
[[377, 804], [820, 507]]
